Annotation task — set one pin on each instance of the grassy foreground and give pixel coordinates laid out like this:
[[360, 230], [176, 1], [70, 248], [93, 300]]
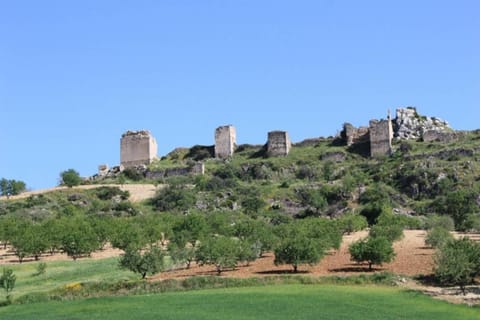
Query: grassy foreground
[[272, 302]]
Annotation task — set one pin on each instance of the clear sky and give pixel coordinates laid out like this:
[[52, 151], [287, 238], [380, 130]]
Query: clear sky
[[74, 75]]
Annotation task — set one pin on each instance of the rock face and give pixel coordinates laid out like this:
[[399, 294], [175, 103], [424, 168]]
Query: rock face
[[408, 124], [137, 148]]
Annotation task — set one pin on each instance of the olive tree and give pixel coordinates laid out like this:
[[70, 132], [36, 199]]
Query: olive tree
[[457, 262], [373, 250], [144, 262]]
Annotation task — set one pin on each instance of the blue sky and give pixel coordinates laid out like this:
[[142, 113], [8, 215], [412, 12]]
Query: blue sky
[[74, 75]]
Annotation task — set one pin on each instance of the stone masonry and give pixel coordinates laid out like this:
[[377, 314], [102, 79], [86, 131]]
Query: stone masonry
[[381, 135], [137, 148], [225, 141], [354, 135], [278, 143]]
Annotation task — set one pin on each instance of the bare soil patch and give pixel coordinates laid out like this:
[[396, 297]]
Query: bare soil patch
[[138, 192], [413, 258]]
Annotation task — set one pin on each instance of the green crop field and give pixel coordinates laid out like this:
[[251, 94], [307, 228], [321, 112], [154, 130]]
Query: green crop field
[[59, 273], [272, 302]]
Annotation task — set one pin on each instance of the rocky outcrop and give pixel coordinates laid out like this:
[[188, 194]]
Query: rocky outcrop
[[408, 124]]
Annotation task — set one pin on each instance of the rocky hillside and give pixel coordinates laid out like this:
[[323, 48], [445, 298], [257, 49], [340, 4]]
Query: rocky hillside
[[320, 177], [409, 125]]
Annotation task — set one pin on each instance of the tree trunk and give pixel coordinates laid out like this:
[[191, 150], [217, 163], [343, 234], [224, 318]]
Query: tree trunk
[[295, 268], [219, 270], [369, 266]]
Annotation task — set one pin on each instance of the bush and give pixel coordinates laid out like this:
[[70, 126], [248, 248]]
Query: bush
[[41, 269], [132, 174], [107, 193], [441, 221], [174, 198], [437, 237]]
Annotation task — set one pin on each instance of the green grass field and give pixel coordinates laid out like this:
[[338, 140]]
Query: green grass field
[[61, 273], [272, 302]]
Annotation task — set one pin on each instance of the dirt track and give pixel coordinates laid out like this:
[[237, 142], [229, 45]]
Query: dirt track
[[138, 192]]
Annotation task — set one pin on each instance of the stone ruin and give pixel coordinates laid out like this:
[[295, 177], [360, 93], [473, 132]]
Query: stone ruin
[[408, 124], [137, 148], [225, 142], [381, 135], [352, 135], [197, 168], [103, 170], [278, 144]]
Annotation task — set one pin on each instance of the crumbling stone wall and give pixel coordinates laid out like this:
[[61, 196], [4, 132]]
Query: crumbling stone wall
[[278, 144], [225, 141], [352, 135], [196, 169], [381, 135], [439, 136], [137, 148]]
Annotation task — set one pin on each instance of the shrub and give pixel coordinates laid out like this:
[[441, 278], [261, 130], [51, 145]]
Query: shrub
[[437, 237], [41, 268], [442, 221], [174, 197]]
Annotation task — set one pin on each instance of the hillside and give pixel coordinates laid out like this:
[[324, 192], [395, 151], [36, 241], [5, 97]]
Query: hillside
[[325, 177]]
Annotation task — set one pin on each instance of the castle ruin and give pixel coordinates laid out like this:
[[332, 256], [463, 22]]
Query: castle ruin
[[353, 135], [137, 148], [225, 141], [381, 135], [278, 144]]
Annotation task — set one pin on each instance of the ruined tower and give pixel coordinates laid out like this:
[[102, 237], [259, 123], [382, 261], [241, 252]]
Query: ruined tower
[[381, 135], [137, 148], [278, 143], [225, 140]]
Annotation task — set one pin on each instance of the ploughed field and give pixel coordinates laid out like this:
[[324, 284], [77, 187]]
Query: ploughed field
[[271, 302], [412, 258]]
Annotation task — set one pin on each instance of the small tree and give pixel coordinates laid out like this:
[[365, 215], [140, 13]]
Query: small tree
[[11, 187], [181, 253], [79, 238], [223, 252], [437, 237], [70, 178], [7, 281], [373, 250], [150, 261], [297, 249], [458, 262], [352, 222]]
